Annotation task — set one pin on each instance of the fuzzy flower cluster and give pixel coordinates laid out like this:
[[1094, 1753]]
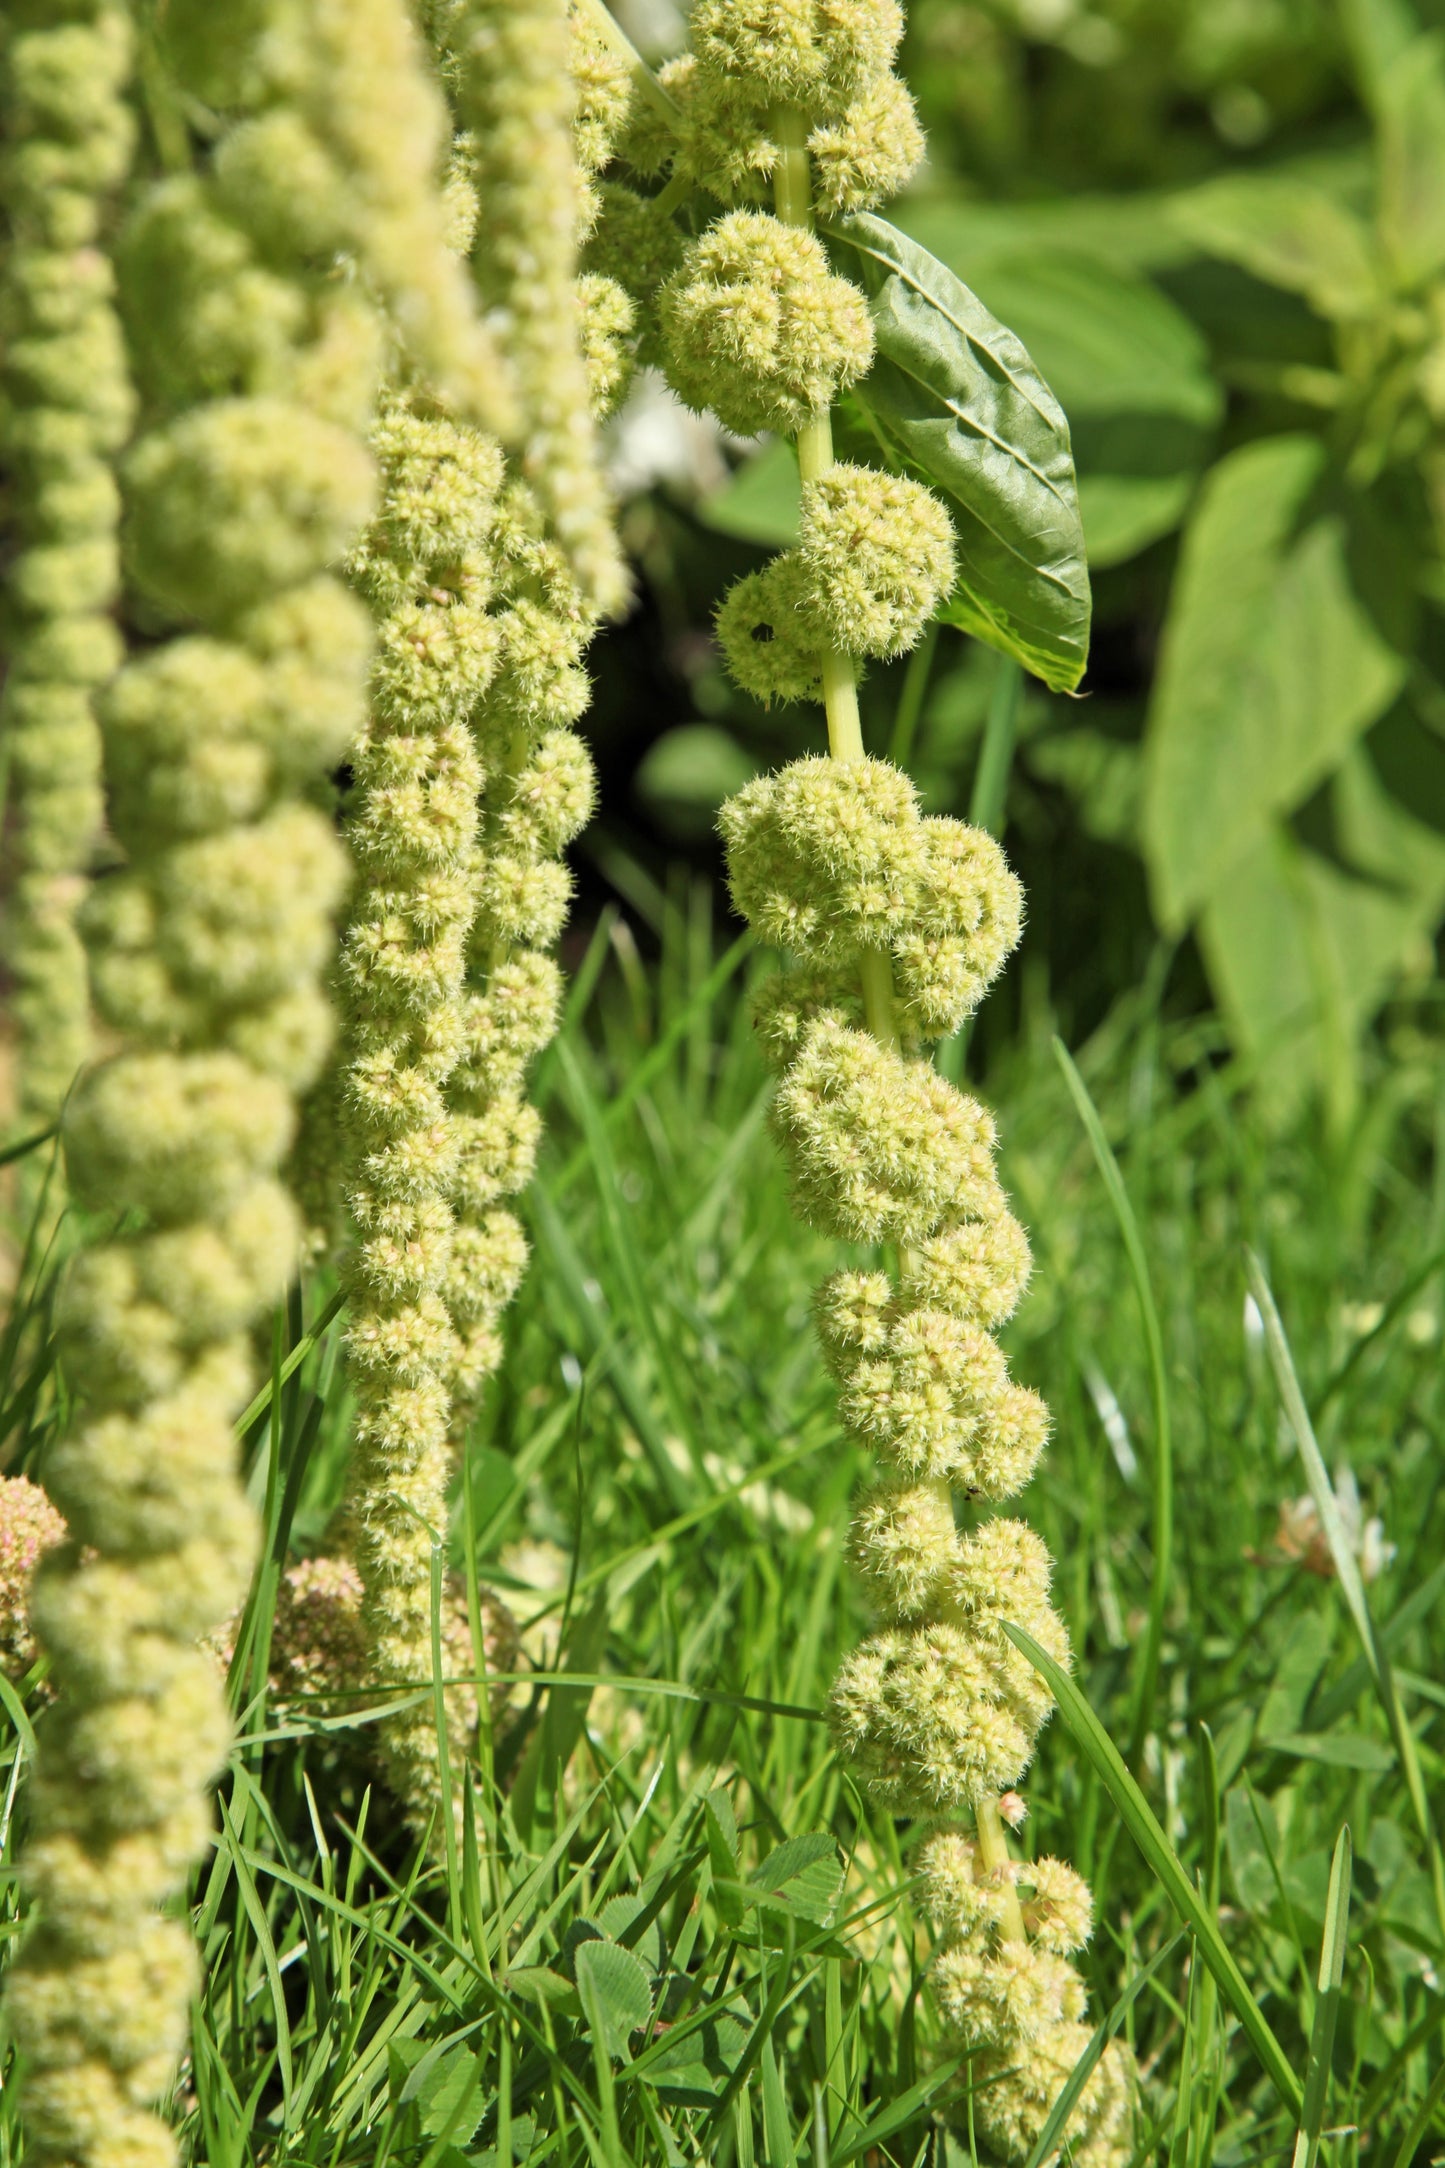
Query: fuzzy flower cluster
[[541, 103], [830, 858], [468, 783], [65, 408], [829, 60], [833, 860], [1020, 2003], [257, 367]]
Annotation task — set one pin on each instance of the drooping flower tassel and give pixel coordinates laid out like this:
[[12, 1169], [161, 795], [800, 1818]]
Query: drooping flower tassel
[[65, 409], [209, 952], [896, 924], [469, 784]]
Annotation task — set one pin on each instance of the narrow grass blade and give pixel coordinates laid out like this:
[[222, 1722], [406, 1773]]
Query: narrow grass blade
[[990, 781], [1162, 1532], [32, 1143], [291, 1365], [1138, 1818], [895, 2113], [1083, 2070], [1347, 1567], [1327, 2003], [1423, 2117], [909, 712], [655, 1061]]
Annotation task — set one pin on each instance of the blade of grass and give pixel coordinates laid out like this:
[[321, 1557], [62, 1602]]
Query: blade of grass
[[291, 1365], [11, 1152], [1327, 2003], [1347, 1566], [1420, 2122], [1162, 1532], [1159, 1855], [655, 1061], [1048, 2139], [910, 701]]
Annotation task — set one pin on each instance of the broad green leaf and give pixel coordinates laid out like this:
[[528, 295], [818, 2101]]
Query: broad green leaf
[[1132, 374], [1327, 2004], [1270, 669], [1133, 232], [1377, 33], [1289, 234], [1164, 1864], [806, 1871], [615, 1993], [1300, 955], [1250, 1835], [1106, 341], [1336, 1750], [687, 772], [1412, 161], [618, 1915], [1124, 513], [694, 2068], [760, 502], [955, 396]]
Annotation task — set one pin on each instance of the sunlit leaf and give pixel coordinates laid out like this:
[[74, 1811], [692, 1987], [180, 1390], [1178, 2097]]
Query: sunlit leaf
[[954, 395]]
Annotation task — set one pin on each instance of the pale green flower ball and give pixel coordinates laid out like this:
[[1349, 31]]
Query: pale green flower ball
[[879, 555], [870, 152], [770, 646], [823, 856], [817, 54], [758, 330]]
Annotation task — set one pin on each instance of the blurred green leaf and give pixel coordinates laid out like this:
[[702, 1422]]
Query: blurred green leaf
[[1124, 513], [1270, 669], [615, 1994], [1134, 232], [687, 772], [1107, 341], [955, 395], [694, 2067], [1412, 161], [1289, 234], [806, 1871], [1336, 1750], [1300, 954], [760, 502], [1377, 32]]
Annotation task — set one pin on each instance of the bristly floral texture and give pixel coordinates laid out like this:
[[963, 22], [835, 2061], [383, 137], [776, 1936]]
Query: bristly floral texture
[[65, 408], [469, 782], [895, 924], [257, 368]]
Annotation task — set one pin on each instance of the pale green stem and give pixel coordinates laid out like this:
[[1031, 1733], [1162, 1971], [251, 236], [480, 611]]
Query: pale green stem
[[993, 1845], [793, 203]]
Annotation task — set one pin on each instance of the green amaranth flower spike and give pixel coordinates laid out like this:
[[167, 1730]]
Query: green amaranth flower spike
[[896, 925], [65, 409], [257, 364], [469, 783], [522, 77]]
